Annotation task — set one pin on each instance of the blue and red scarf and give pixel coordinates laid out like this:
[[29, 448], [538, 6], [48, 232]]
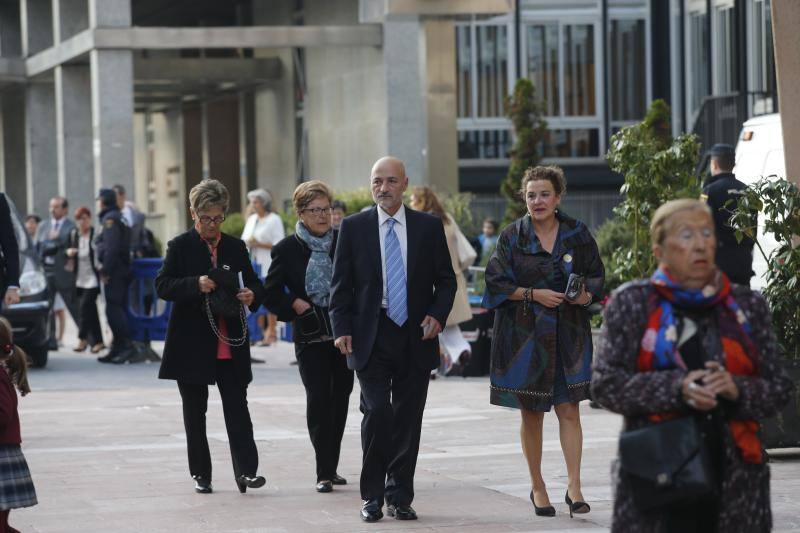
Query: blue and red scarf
[[658, 349]]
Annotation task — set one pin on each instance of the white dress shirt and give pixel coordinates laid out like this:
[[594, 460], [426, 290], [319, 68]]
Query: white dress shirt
[[400, 229]]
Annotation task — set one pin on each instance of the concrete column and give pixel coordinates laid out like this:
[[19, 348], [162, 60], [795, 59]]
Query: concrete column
[[407, 125], [274, 102], [112, 117], [440, 97], [112, 100], [36, 18], [10, 30], [40, 152], [69, 18], [785, 21], [74, 133], [13, 117]]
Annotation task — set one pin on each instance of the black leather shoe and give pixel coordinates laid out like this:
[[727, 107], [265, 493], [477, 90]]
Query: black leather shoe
[[371, 511], [324, 486], [401, 512], [248, 482], [338, 480], [202, 485], [105, 359]]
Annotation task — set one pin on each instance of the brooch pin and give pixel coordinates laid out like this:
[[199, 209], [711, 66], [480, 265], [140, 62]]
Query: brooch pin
[[567, 258]]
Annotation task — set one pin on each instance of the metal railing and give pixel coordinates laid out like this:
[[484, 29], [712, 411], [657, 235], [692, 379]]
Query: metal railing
[[720, 117]]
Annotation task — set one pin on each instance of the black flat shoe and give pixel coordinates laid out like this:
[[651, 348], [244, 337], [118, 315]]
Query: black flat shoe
[[371, 511], [401, 512], [338, 480], [576, 507], [247, 482], [542, 511], [325, 486], [202, 485]]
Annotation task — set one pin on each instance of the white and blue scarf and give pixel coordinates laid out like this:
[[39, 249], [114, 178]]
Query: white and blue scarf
[[320, 268]]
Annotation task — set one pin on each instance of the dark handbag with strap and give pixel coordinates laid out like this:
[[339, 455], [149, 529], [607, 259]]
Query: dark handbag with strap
[[222, 303], [313, 325], [666, 464]]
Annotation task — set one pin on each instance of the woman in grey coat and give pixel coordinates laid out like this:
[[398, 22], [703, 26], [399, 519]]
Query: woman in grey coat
[[688, 343]]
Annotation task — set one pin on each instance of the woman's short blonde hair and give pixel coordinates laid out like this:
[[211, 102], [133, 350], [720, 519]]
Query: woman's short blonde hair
[[207, 194], [664, 218], [307, 192]]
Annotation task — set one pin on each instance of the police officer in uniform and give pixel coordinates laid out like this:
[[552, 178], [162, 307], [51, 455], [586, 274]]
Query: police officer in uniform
[[733, 257], [113, 253]]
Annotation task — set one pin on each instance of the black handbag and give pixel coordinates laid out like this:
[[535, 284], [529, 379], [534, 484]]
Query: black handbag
[[666, 464], [222, 303], [313, 325]]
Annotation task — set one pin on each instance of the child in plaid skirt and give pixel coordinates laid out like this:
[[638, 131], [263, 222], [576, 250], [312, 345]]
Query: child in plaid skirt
[[16, 485]]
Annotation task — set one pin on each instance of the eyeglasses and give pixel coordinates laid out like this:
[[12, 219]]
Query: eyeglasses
[[317, 211], [206, 220]]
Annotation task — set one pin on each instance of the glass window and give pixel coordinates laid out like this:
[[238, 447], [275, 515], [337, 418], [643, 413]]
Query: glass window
[[763, 63], [697, 56], [492, 50], [627, 77], [542, 64], [571, 143], [484, 144], [725, 59], [579, 70], [464, 70]]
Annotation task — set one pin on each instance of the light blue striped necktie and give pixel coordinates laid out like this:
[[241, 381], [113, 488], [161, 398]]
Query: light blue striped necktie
[[396, 304]]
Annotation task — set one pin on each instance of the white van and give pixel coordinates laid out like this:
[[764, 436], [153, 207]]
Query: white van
[[759, 153]]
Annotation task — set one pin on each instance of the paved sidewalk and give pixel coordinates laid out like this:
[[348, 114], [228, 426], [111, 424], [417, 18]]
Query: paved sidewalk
[[107, 451]]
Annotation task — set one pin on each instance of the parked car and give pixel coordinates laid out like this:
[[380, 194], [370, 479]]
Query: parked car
[[30, 318], [759, 153]]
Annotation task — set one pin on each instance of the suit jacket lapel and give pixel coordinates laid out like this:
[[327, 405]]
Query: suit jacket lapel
[[202, 251], [412, 241], [373, 242]]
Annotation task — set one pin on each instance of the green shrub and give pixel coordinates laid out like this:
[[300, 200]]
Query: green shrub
[[611, 236], [656, 168], [779, 201], [233, 225]]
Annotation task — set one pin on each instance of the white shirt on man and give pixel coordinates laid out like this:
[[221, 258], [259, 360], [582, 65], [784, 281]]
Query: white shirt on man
[[401, 230]]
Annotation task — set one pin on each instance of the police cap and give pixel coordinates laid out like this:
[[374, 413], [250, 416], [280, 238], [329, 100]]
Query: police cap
[[722, 149]]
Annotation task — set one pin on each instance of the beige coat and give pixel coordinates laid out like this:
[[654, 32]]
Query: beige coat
[[461, 311]]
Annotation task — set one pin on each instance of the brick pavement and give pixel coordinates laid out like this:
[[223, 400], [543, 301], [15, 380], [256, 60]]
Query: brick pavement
[[106, 448]]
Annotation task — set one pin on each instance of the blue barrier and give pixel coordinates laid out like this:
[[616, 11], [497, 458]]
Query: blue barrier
[[147, 314], [253, 328]]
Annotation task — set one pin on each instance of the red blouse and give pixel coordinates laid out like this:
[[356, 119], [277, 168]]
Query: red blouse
[[223, 350]]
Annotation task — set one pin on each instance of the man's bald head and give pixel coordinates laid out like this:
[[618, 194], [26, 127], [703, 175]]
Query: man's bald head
[[391, 164], [388, 182]]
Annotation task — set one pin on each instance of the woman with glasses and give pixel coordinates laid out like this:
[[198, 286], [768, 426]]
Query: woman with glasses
[[264, 228], [202, 349], [297, 289]]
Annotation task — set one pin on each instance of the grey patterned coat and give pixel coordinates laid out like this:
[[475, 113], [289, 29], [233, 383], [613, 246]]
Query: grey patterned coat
[[744, 501]]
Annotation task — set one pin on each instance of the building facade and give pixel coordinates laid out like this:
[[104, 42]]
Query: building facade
[[266, 93]]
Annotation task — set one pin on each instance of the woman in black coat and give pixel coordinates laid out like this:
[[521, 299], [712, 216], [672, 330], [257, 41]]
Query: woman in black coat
[[200, 351], [297, 289]]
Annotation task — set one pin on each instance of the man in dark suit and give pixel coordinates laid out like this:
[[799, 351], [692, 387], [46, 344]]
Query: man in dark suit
[[393, 286], [732, 257], [52, 241], [9, 256]]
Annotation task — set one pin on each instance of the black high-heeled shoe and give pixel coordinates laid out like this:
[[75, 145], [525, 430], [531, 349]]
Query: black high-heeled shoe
[[576, 507], [542, 511], [202, 485], [245, 482]]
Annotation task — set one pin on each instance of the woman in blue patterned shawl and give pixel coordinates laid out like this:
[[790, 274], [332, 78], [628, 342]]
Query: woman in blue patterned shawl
[[542, 343]]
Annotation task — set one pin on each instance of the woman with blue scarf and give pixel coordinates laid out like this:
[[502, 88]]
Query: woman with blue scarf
[[689, 346], [297, 289]]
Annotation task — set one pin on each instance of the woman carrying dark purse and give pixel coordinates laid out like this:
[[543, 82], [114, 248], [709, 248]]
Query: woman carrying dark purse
[[297, 289], [207, 340], [690, 360]]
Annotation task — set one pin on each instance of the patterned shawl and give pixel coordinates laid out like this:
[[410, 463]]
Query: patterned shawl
[[320, 269]]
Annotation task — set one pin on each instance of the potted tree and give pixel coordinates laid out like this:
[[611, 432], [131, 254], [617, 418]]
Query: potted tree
[[775, 204]]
